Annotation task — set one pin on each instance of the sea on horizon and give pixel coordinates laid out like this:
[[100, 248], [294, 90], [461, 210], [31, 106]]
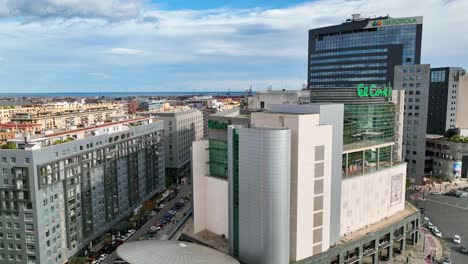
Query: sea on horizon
[[118, 94]]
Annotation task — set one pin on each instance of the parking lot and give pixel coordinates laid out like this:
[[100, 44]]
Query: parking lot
[[450, 215]]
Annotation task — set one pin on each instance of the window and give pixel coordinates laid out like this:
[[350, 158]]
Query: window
[[262, 105], [5, 181], [4, 159], [319, 170], [13, 160], [319, 153], [318, 235], [318, 203], [318, 187], [4, 171], [26, 160]]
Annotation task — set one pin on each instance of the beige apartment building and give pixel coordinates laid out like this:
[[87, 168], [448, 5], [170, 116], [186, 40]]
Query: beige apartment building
[[57, 116]]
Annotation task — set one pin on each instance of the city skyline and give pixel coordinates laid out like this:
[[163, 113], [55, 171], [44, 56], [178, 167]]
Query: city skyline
[[145, 46]]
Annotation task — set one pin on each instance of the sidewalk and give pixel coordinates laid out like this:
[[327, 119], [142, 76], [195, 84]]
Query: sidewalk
[[418, 254]]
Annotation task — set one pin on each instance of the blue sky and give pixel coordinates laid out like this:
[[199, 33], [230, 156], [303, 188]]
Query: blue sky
[[142, 45]]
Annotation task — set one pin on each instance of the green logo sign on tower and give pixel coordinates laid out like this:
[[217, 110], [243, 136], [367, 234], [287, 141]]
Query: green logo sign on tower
[[374, 91]]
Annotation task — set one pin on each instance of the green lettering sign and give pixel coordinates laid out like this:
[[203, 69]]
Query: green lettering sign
[[217, 125], [373, 91]]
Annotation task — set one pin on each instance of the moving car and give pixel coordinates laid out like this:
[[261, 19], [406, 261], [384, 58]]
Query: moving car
[[464, 250], [456, 239]]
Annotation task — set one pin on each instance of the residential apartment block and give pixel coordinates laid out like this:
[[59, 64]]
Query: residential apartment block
[[59, 191], [182, 127], [58, 116]]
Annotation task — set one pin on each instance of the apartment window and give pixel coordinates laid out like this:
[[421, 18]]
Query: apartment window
[[4, 171], [262, 105], [26, 160], [4, 159], [5, 182], [13, 160]]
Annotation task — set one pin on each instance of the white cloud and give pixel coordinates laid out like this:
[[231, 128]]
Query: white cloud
[[125, 51], [231, 44], [41, 9], [100, 75]]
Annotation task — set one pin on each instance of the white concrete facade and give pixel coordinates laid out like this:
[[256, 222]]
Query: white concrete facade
[[362, 205], [210, 196], [310, 180]]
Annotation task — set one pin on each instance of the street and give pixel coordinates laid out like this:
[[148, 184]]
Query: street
[[450, 215], [184, 190]]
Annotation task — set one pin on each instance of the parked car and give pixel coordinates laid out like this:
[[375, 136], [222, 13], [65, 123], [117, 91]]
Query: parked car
[[429, 225], [456, 239], [447, 260], [161, 206], [120, 261], [436, 193], [152, 213], [97, 261], [464, 250], [426, 219], [461, 194], [102, 257], [436, 232], [131, 231], [155, 228], [451, 193]]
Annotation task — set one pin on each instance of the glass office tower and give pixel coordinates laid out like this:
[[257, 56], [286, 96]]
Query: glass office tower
[[362, 50]]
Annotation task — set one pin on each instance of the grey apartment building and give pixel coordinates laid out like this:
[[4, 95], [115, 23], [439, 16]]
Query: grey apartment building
[[362, 50], [183, 126], [414, 80], [61, 190], [443, 93]]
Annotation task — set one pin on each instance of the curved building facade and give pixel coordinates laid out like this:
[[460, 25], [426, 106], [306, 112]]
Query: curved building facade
[[260, 202]]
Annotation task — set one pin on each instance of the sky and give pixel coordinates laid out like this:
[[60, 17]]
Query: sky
[[188, 45]]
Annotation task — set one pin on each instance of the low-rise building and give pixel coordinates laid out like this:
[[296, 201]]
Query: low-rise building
[[447, 158]]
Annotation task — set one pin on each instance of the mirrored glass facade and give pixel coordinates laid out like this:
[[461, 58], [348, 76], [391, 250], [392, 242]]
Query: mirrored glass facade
[[369, 52]]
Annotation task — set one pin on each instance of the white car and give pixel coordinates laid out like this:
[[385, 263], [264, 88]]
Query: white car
[[436, 232], [97, 261], [155, 228], [124, 237], [131, 232], [152, 213], [426, 219], [102, 257], [456, 239], [161, 206], [430, 226]]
